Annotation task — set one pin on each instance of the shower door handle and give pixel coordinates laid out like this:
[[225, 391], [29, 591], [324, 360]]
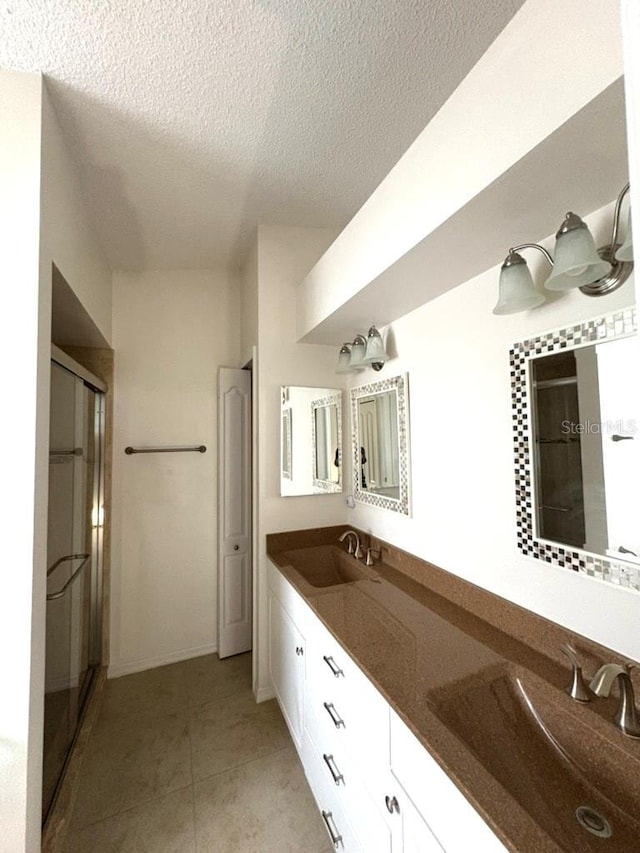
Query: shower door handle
[[52, 596]]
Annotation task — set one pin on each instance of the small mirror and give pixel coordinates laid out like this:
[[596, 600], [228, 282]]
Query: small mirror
[[310, 441], [381, 444]]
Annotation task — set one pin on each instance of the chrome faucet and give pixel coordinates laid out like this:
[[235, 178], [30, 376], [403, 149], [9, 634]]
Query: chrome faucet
[[353, 546], [626, 718]]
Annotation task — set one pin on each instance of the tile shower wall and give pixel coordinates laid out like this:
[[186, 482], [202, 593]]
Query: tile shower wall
[[456, 353]]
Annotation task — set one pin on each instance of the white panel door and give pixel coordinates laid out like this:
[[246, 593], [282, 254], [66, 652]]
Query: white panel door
[[234, 511]]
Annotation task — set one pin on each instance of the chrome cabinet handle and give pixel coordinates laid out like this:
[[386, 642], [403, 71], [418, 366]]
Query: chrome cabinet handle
[[333, 666], [329, 760], [336, 719], [392, 804], [332, 829], [299, 650]]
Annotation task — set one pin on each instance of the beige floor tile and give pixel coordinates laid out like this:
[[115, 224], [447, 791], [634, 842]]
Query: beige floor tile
[[165, 825], [155, 692], [232, 731], [208, 678], [130, 761], [262, 807]]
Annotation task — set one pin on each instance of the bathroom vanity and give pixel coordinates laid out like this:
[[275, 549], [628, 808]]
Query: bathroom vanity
[[423, 726]]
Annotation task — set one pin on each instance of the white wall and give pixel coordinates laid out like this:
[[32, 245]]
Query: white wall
[[68, 237], [24, 436], [285, 255], [171, 332], [456, 354], [42, 221], [249, 307]]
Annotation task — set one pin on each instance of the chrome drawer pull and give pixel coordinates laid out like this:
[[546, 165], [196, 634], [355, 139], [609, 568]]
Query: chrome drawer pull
[[336, 719], [333, 666], [329, 760], [332, 829], [392, 804]]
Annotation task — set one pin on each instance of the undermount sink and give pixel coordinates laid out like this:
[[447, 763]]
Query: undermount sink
[[576, 785], [326, 565]]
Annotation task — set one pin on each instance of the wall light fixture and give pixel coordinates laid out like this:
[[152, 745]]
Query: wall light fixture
[[362, 353], [576, 264]]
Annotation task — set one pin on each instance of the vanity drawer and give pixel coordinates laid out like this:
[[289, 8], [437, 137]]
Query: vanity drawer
[[327, 798], [360, 823], [334, 679]]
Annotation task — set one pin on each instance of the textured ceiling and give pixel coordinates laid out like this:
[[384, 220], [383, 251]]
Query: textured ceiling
[[194, 121]]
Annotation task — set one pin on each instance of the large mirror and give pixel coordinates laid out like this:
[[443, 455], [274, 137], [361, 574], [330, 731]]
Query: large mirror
[[380, 425], [310, 441], [576, 406]]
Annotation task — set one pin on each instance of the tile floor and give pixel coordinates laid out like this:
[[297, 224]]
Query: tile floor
[[182, 760]]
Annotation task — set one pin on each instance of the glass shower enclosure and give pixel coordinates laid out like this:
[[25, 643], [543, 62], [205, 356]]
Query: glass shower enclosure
[[74, 573]]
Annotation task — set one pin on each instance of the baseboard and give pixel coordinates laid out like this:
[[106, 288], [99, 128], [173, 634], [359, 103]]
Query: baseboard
[[115, 670], [263, 694]]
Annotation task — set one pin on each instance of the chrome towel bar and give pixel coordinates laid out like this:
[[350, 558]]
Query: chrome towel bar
[[200, 448]]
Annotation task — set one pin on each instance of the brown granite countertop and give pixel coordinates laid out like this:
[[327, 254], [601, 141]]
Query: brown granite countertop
[[448, 657]]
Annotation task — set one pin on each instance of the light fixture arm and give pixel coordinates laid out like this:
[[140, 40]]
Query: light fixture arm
[[533, 246], [616, 215]]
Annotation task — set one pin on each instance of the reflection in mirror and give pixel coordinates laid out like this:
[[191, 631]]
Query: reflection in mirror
[[381, 444], [577, 447], [585, 409], [311, 441]]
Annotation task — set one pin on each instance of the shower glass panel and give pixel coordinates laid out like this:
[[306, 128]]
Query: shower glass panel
[[73, 574]]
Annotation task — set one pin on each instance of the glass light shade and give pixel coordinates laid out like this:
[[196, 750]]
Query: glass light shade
[[516, 292], [625, 252], [576, 261], [375, 348], [344, 359], [358, 351]]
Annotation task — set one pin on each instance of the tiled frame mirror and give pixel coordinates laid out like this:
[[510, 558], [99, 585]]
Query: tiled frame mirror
[[539, 504], [380, 433]]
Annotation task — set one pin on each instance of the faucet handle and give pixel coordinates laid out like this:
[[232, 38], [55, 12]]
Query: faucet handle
[[369, 561], [577, 689]]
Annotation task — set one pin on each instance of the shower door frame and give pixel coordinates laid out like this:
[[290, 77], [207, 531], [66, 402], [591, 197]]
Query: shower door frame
[[95, 568]]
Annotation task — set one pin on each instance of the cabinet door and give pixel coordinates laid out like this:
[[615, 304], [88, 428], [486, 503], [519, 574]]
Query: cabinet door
[[416, 835], [286, 662]]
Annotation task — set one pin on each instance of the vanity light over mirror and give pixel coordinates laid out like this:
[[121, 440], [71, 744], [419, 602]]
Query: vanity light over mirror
[[576, 410], [380, 430], [310, 440]]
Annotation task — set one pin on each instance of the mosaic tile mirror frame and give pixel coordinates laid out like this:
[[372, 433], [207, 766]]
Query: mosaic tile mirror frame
[[617, 325], [397, 497]]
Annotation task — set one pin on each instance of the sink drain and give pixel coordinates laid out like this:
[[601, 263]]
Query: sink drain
[[593, 822]]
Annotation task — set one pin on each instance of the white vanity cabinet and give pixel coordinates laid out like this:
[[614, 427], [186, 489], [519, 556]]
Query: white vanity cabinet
[[286, 664], [450, 817], [346, 740], [290, 617], [377, 788]]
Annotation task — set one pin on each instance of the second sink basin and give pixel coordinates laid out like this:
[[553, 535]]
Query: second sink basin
[[576, 785], [326, 565]]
